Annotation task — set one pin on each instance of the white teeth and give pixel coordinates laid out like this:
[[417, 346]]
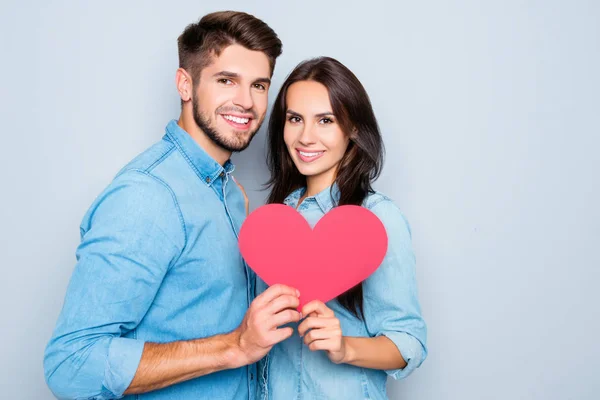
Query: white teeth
[[236, 119], [305, 154]]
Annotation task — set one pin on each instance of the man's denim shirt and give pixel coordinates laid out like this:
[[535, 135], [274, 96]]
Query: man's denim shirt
[[158, 262], [291, 371]]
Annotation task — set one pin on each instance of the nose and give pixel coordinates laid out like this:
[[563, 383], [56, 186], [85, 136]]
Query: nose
[[243, 98], [307, 136]]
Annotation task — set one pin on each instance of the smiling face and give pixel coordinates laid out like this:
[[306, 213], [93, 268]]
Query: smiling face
[[312, 134], [230, 100]]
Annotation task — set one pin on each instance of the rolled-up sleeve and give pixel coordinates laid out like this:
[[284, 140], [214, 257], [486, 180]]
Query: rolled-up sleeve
[[391, 304], [130, 236]]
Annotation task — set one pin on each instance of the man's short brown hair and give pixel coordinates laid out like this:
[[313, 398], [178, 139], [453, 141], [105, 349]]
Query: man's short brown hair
[[203, 40]]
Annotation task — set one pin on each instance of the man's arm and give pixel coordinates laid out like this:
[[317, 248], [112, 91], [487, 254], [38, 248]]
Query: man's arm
[[131, 235], [166, 364]]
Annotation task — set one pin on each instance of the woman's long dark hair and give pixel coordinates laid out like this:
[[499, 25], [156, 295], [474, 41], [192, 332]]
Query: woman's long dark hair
[[360, 165]]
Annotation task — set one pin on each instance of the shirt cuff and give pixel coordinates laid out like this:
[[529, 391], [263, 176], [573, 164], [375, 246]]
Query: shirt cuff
[[123, 359], [411, 350]]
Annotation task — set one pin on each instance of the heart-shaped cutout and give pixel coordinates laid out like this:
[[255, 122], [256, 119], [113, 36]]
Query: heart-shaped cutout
[[346, 246]]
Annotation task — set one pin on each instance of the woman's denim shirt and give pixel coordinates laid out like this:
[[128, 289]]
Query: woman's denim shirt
[[391, 308]]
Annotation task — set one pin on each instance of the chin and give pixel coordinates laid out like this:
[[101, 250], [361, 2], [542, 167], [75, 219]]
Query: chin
[[307, 171], [240, 139]]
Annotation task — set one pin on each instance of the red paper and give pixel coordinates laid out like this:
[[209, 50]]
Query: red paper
[[346, 246]]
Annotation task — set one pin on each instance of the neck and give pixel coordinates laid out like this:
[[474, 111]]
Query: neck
[[317, 183], [187, 123]]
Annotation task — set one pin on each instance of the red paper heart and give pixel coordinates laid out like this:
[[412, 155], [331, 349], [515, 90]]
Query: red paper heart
[[346, 246]]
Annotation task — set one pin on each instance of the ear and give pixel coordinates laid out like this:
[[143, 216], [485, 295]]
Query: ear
[[353, 134], [184, 84]]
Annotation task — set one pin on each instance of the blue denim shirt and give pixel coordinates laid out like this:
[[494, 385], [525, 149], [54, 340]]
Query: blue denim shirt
[[291, 371], [158, 262]]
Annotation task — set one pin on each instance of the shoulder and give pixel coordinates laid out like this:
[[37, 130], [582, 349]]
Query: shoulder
[[387, 211], [138, 181], [150, 158], [132, 197], [375, 198]]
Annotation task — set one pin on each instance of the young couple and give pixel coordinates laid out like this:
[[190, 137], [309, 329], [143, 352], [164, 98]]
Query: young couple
[[161, 305]]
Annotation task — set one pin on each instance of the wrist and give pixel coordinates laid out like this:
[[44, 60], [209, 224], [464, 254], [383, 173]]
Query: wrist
[[234, 357], [349, 350]]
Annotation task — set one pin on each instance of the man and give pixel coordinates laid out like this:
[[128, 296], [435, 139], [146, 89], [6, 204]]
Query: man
[[160, 303]]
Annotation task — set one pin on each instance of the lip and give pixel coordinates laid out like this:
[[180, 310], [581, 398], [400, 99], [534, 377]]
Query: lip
[[235, 124], [309, 159]]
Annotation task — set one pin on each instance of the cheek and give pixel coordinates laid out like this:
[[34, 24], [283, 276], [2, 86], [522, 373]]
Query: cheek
[[261, 103], [221, 98], [289, 136], [344, 146], [214, 97], [337, 144], [206, 101]]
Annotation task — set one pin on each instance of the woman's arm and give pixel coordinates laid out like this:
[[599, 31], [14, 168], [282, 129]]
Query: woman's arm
[[392, 315], [377, 353], [326, 335], [390, 296]]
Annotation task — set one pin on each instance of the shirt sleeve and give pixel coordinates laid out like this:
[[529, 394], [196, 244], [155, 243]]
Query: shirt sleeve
[[130, 236], [391, 305]]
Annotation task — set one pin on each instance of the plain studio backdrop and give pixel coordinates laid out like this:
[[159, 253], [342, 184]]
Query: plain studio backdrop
[[490, 113]]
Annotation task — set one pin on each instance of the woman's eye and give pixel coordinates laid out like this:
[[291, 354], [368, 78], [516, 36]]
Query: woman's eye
[[293, 119], [326, 121]]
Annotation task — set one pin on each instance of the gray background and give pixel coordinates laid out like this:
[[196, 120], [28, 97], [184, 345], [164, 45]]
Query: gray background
[[490, 114]]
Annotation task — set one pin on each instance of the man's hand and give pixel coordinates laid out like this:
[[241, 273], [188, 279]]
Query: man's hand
[[165, 364], [259, 331]]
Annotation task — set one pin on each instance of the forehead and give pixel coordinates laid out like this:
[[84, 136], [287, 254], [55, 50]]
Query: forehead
[[308, 97], [249, 64]]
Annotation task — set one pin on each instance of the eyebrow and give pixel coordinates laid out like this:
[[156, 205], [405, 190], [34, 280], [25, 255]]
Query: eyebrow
[[229, 74], [296, 114]]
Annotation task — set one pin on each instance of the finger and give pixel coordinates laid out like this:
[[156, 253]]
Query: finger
[[314, 323], [325, 344], [282, 318], [273, 292], [281, 303], [322, 334], [319, 307], [280, 335]]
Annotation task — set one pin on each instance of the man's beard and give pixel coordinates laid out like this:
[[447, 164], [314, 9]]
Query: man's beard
[[235, 144]]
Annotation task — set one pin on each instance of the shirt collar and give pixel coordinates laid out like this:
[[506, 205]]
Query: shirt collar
[[326, 199], [204, 165]]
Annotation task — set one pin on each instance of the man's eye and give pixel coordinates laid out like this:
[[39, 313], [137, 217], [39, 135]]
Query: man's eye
[[260, 86], [225, 81]]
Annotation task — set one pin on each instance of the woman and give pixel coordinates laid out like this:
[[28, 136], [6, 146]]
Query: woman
[[325, 150]]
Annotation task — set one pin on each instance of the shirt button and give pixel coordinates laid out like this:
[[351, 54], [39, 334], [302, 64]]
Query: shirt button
[[207, 179], [222, 174]]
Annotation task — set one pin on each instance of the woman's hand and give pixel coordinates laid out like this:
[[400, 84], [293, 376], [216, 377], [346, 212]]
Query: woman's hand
[[324, 331]]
